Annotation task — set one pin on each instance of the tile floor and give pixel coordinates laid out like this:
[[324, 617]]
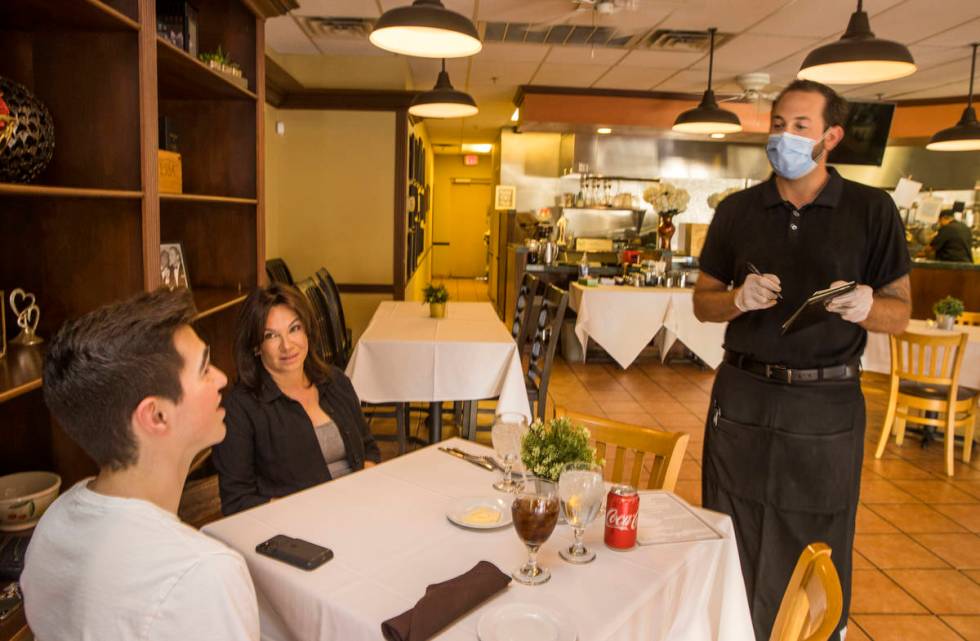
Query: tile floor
[[917, 549]]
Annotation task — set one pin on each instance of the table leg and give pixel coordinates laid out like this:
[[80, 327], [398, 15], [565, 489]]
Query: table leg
[[401, 426], [435, 422], [470, 409]]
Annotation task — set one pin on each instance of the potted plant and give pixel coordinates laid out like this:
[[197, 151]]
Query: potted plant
[[946, 311], [547, 447], [222, 63], [436, 296]]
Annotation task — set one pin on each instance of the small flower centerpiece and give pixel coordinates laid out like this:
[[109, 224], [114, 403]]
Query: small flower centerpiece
[[436, 296], [715, 199], [547, 447], [946, 311], [668, 201]]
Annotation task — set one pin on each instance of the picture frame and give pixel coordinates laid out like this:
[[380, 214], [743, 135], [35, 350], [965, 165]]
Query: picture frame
[[173, 267], [505, 197], [177, 23], [3, 323]]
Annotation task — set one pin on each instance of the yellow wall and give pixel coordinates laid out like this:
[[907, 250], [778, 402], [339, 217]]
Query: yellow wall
[[330, 198], [447, 167]]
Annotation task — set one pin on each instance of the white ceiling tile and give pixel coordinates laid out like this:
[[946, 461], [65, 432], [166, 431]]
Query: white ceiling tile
[[585, 55], [516, 73], [685, 81], [334, 8], [508, 52], [751, 52], [918, 20], [465, 7], [817, 18], [952, 89], [660, 59], [283, 35], [344, 47], [728, 15], [425, 71], [559, 75], [527, 11], [950, 72], [927, 57], [635, 78], [961, 36]]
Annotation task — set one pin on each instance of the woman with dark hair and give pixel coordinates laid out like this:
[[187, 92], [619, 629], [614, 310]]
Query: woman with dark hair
[[293, 421]]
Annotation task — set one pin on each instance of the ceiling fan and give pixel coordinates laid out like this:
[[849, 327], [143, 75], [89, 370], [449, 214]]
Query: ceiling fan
[[753, 90]]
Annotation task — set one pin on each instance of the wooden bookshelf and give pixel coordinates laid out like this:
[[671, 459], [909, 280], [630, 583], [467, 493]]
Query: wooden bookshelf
[[200, 198], [20, 371], [13, 189], [183, 77], [78, 14]]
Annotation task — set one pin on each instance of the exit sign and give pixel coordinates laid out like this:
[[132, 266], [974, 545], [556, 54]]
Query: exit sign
[[471, 160]]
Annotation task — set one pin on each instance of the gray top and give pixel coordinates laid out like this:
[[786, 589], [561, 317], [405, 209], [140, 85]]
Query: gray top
[[333, 449]]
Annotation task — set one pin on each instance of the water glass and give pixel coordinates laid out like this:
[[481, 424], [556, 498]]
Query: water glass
[[581, 491]]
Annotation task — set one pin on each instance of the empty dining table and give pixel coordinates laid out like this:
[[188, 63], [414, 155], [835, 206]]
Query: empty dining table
[[877, 353]]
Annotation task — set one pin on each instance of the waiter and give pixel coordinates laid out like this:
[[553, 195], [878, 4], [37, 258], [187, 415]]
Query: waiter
[[785, 431]]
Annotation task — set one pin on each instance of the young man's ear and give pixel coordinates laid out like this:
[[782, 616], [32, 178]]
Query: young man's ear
[[152, 416], [833, 137]]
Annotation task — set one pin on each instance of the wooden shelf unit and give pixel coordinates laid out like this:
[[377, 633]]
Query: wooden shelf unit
[[87, 231]]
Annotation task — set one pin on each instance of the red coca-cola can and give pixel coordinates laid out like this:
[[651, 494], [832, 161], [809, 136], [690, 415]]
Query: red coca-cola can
[[622, 511]]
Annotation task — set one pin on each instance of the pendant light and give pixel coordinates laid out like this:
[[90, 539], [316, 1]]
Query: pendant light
[[858, 57], [708, 117], [426, 29], [443, 101], [964, 135]]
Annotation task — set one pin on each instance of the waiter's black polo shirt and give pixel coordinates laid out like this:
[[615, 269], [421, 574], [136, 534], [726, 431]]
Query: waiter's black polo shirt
[[849, 232]]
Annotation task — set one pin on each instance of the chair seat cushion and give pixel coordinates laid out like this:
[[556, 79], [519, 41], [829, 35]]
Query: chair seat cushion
[[936, 392]]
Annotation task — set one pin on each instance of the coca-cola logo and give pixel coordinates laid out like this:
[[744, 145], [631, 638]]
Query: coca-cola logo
[[619, 521]]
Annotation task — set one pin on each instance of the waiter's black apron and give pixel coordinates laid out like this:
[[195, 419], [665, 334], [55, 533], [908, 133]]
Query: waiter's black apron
[[785, 462]]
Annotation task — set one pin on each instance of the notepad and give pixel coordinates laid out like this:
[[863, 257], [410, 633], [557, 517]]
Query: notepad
[[812, 310], [667, 518]]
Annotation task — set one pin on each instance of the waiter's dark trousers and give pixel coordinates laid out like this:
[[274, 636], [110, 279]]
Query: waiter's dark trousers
[[784, 461]]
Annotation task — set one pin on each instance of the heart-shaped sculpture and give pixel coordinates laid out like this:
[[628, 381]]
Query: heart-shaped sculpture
[[28, 319], [23, 297]]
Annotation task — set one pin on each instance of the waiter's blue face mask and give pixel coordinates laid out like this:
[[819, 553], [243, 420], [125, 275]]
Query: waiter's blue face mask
[[791, 156]]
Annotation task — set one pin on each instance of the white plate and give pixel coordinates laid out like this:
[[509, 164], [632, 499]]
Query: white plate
[[525, 622], [460, 508]]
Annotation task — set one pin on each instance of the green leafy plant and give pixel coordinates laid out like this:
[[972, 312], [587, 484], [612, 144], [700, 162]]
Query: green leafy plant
[[547, 447], [948, 306], [218, 57], [436, 293]]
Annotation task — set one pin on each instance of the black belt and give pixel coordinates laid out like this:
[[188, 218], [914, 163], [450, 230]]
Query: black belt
[[787, 375]]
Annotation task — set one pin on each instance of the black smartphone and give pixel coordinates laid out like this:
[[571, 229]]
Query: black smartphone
[[297, 552]]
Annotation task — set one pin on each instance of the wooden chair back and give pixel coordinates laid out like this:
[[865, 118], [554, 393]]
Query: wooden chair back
[[319, 334], [928, 359], [662, 451], [547, 326], [524, 309], [813, 602], [971, 319], [278, 272]]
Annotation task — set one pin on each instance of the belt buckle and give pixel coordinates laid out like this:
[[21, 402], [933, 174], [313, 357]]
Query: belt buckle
[[785, 373]]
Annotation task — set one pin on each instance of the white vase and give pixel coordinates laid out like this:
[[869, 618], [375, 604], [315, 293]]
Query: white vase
[[944, 321]]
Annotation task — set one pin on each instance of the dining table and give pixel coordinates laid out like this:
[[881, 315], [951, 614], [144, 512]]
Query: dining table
[[404, 355], [624, 319], [388, 529], [877, 353]]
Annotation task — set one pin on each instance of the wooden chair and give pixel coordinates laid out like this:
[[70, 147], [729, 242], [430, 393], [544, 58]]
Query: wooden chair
[[546, 327], [925, 373], [320, 334], [339, 334], [278, 272], [524, 310], [666, 448], [813, 602], [971, 319]]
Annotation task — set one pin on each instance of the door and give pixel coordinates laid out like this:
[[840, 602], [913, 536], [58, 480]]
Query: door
[[465, 255]]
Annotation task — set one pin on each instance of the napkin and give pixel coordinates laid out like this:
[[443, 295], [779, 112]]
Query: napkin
[[445, 602]]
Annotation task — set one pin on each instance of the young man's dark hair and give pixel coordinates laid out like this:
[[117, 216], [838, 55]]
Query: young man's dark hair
[[99, 367], [835, 109]]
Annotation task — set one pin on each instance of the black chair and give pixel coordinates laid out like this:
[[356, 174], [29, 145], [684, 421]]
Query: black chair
[[320, 333], [340, 333], [278, 272], [544, 340], [524, 310]]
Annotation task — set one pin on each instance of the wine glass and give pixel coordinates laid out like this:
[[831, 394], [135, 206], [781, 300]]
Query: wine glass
[[535, 513], [506, 436], [581, 490]]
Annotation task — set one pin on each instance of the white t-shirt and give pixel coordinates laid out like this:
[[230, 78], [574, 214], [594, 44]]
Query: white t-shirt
[[102, 568]]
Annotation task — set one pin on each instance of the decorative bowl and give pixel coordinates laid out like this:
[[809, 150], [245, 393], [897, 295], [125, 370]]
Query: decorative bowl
[[24, 497]]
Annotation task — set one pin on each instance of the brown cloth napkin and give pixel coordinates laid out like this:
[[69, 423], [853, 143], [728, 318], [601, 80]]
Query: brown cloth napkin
[[445, 602]]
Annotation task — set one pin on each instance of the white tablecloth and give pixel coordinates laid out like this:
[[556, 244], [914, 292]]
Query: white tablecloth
[[405, 356], [877, 354], [388, 530], [623, 320]]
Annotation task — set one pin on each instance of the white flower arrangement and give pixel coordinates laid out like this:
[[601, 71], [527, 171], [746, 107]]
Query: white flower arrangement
[[666, 197], [715, 199]]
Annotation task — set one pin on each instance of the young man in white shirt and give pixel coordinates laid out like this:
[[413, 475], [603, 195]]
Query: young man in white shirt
[[132, 384]]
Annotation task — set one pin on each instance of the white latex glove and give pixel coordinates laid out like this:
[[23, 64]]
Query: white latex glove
[[853, 306], [757, 292]]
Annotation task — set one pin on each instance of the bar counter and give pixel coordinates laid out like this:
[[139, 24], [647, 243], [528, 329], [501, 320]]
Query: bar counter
[[935, 279]]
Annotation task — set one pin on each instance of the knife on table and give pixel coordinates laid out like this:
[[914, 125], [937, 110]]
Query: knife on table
[[489, 459], [469, 458]]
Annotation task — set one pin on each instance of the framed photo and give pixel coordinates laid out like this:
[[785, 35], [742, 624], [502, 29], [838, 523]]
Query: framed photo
[[505, 197], [173, 269]]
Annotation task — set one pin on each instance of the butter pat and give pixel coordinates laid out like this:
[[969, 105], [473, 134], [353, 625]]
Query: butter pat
[[481, 516]]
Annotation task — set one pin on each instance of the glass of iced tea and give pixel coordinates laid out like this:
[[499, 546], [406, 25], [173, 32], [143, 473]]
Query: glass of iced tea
[[535, 512]]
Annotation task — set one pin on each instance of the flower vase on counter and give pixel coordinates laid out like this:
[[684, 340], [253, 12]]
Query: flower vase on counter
[[666, 229], [668, 201]]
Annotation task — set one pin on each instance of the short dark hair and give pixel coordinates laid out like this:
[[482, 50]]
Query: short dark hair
[[251, 332], [99, 367], [835, 109], [947, 213]]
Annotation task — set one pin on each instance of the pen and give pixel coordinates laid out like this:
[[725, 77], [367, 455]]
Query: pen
[[755, 270]]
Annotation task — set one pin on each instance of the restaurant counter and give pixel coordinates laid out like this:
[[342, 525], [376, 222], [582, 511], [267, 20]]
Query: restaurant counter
[[935, 279]]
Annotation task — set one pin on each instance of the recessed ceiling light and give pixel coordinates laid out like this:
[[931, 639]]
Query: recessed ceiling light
[[477, 147], [603, 130]]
